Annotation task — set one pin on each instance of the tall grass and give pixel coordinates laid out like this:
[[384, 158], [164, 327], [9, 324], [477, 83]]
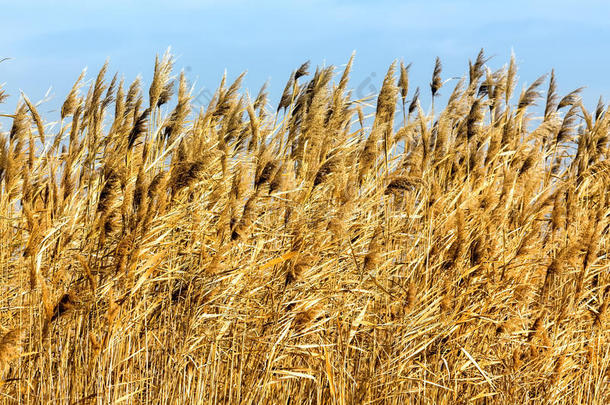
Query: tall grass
[[311, 252]]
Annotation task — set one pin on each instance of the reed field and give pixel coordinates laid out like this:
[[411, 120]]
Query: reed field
[[323, 250]]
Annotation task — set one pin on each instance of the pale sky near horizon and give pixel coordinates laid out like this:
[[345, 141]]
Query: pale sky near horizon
[[49, 42]]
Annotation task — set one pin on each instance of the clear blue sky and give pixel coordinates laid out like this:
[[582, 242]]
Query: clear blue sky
[[51, 41]]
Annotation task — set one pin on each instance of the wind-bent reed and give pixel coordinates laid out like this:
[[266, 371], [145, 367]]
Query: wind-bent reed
[[254, 253]]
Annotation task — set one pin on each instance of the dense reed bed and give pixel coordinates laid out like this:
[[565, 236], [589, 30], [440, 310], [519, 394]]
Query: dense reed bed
[[323, 250]]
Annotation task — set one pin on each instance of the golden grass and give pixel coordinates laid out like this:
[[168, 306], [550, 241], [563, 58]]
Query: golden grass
[[156, 254]]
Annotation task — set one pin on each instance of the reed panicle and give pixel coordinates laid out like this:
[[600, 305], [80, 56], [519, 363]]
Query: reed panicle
[[436, 82], [159, 89], [10, 347]]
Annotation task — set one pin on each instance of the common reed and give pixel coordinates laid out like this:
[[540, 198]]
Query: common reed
[[314, 250]]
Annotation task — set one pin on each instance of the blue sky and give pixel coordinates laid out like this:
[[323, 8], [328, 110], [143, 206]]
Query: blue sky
[[49, 42]]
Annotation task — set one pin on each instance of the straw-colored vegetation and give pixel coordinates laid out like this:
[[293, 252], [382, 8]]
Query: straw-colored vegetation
[[326, 250]]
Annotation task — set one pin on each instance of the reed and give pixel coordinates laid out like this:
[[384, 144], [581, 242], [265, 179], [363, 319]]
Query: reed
[[316, 250]]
